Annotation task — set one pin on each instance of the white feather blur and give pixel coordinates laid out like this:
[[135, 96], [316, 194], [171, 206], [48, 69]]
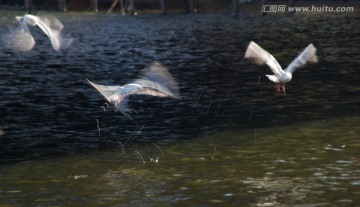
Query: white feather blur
[[155, 81], [260, 56], [21, 40]]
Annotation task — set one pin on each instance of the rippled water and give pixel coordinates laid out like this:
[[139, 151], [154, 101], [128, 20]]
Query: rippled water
[[314, 163], [230, 140]]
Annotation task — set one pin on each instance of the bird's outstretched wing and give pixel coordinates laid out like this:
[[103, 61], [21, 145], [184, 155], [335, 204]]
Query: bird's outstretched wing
[[52, 27], [116, 95], [19, 39], [307, 55], [51, 21], [260, 56], [157, 81], [154, 89], [110, 93]]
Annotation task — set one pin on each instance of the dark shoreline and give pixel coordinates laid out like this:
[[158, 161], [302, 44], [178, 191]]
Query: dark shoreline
[[207, 7]]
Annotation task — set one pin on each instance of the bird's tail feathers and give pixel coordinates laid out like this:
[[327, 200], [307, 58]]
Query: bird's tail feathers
[[273, 78]]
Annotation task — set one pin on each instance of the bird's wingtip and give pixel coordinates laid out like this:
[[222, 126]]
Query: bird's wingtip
[[177, 96], [91, 83], [251, 43], [314, 59]]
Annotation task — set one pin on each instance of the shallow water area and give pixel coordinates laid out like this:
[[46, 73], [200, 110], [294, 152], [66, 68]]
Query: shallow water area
[[230, 141], [307, 164]]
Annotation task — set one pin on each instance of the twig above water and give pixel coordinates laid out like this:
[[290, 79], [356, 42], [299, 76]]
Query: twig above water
[[98, 126], [159, 149], [207, 110], [213, 153], [251, 113], [122, 147], [139, 155], [197, 101], [229, 125]]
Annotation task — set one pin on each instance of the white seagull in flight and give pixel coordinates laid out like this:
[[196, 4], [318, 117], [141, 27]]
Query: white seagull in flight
[[21, 39], [155, 81], [280, 77]]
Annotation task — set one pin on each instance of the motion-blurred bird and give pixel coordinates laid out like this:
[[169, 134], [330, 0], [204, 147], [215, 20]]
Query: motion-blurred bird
[[20, 39], [155, 81], [260, 56]]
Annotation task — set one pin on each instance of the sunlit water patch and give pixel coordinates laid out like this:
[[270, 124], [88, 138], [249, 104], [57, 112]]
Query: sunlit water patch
[[313, 163]]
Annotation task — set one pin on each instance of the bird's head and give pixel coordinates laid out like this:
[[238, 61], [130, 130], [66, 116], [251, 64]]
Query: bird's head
[[285, 77], [19, 18], [30, 19]]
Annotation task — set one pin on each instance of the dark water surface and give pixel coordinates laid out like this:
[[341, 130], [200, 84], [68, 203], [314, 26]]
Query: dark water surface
[[231, 140]]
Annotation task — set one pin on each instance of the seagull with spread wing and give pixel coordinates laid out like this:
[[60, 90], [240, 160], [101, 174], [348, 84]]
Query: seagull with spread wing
[[260, 56], [155, 80], [20, 39]]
